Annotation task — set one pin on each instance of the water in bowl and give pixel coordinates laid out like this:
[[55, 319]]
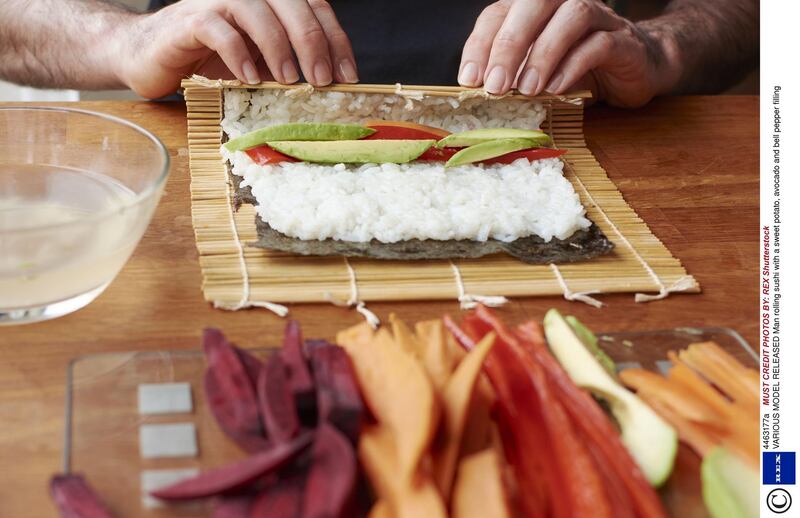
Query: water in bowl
[[71, 266]]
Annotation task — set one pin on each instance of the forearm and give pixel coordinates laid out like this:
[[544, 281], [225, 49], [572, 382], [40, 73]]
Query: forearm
[[707, 45], [60, 43]]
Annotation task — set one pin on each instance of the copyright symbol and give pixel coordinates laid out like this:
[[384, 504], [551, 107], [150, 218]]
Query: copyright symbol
[[779, 501]]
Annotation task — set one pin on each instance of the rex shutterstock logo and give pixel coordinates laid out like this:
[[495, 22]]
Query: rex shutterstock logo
[[778, 468]]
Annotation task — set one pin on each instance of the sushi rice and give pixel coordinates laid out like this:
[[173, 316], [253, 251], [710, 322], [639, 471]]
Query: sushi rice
[[397, 202]]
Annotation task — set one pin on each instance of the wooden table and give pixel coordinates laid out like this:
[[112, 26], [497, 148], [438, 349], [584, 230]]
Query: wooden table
[[689, 166]]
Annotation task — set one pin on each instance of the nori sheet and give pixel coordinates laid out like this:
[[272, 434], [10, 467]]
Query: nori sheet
[[582, 245]]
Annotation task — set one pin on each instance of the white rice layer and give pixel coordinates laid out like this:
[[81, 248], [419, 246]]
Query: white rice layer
[[422, 200], [246, 110]]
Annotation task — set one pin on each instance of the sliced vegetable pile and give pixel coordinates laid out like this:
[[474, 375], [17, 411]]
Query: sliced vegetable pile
[[470, 419], [567, 458], [390, 142], [712, 400]]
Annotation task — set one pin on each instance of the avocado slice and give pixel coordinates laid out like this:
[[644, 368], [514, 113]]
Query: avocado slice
[[730, 485], [590, 341], [354, 151], [651, 442], [489, 149], [299, 131], [472, 137]]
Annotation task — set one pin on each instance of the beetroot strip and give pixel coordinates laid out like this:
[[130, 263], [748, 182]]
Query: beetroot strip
[[332, 480], [73, 496], [230, 391], [338, 396], [278, 410], [235, 476], [299, 376]]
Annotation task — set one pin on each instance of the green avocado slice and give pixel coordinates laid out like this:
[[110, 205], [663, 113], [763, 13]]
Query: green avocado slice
[[472, 137], [354, 151], [730, 486], [489, 149], [299, 131], [590, 341], [651, 441]]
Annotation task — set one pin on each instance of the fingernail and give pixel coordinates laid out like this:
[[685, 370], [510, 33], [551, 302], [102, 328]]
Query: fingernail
[[555, 83], [529, 81], [250, 73], [348, 70], [322, 73], [289, 71], [469, 74], [496, 82]]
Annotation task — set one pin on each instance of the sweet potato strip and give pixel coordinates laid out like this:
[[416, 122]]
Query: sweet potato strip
[[456, 400], [396, 390], [381, 509], [478, 491], [478, 428], [404, 336], [435, 353], [407, 498]]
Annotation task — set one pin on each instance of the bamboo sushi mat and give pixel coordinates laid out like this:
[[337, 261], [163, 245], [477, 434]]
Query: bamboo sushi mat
[[236, 275]]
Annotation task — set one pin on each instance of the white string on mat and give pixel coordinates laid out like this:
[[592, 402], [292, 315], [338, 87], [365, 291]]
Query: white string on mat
[[371, 318], [306, 89], [409, 94], [245, 301], [471, 301], [481, 94], [582, 296], [682, 284]]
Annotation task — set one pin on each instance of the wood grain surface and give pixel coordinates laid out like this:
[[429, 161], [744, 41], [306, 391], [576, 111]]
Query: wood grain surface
[[687, 165]]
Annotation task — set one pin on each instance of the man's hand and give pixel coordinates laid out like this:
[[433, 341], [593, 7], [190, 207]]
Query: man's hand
[[555, 45], [253, 39]]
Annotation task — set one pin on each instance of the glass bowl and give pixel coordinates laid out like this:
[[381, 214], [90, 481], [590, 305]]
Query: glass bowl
[[77, 191]]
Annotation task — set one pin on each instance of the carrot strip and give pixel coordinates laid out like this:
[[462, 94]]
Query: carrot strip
[[710, 360], [690, 433], [676, 396], [684, 376]]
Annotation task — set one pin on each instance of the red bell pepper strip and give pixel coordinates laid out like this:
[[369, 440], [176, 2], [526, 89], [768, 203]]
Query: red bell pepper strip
[[393, 130], [595, 426], [435, 154], [574, 466], [541, 486], [263, 155], [531, 154]]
